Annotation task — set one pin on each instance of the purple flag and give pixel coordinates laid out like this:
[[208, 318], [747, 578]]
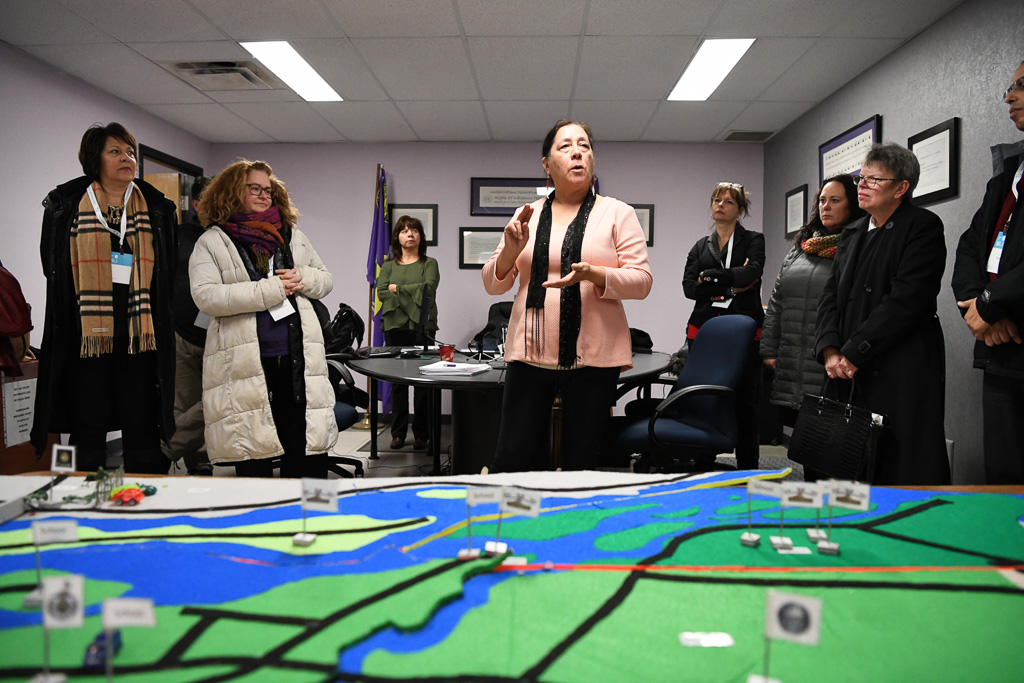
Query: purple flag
[[380, 246]]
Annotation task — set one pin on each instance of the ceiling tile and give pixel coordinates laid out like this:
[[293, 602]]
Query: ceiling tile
[[394, 18], [790, 18], [507, 68], [690, 121], [341, 65], [419, 68], [145, 20], [200, 51], [902, 19], [826, 66], [521, 120], [446, 120], [254, 96], [120, 71], [649, 17], [270, 19], [45, 22], [366, 121], [288, 121], [620, 121], [211, 122], [521, 17], [769, 116], [624, 68]]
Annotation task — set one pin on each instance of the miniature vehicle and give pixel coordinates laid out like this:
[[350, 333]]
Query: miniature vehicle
[[96, 652], [129, 496]]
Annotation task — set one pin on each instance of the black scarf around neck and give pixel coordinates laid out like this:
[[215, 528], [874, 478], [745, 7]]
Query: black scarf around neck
[[571, 306]]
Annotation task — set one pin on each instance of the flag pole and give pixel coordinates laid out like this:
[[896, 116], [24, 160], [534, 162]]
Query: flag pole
[[364, 424]]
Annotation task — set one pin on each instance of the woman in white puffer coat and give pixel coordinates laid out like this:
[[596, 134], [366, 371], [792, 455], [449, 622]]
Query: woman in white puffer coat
[[266, 393]]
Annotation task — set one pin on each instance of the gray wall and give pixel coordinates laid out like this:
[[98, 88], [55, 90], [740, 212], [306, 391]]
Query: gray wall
[[957, 67]]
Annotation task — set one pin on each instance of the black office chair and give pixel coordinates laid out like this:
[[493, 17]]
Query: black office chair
[[344, 412], [686, 430], [497, 323]]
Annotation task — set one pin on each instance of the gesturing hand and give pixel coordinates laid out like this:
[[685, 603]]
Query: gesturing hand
[[517, 232], [580, 271], [291, 280]]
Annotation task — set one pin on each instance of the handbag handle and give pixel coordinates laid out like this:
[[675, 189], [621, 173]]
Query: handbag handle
[[849, 399]]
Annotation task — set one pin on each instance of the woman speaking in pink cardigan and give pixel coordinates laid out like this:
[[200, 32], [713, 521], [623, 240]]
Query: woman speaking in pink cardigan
[[577, 255]]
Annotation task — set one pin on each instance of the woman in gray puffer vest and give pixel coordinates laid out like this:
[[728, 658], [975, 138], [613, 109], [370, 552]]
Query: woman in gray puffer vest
[[787, 340]]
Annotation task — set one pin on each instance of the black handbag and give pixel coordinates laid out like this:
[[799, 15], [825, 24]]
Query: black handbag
[[836, 438]]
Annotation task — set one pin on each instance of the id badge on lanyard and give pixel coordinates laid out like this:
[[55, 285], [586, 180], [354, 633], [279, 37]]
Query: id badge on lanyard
[[120, 263], [726, 302]]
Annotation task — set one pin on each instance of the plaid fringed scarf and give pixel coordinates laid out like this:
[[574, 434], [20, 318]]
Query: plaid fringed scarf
[[259, 232], [90, 270], [821, 244]]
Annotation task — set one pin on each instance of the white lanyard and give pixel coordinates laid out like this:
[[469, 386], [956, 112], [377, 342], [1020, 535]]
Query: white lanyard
[[124, 213], [1013, 188], [728, 248]]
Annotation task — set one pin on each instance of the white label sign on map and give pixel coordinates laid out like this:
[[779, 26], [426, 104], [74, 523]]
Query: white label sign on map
[[517, 501], [57, 531], [802, 494], [118, 612], [763, 487], [849, 494], [481, 495], [63, 605], [320, 495]]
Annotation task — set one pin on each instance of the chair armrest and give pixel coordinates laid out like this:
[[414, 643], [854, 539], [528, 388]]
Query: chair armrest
[[695, 390], [627, 387], [346, 375]]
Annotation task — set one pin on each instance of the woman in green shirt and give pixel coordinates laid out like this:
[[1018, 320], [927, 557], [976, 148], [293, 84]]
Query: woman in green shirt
[[406, 283]]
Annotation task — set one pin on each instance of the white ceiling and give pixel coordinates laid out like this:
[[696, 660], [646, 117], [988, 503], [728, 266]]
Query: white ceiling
[[471, 70]]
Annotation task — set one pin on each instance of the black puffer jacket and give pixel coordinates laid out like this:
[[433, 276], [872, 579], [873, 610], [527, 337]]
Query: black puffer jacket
[[788, 333], [62, 327]]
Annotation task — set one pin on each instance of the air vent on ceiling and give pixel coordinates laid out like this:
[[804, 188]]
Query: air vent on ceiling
[[209, 76], [748, 136]]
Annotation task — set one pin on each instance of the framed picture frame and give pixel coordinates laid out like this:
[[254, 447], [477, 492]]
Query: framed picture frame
[[426, 213], [645, 214], [502, 196], [796, 210], [938, 150], [845, 152], [476, 246]]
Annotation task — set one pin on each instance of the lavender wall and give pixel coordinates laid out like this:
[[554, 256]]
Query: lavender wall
[[44, 113], [333, 186]]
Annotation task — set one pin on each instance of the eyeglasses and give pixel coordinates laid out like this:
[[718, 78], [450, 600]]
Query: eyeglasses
[[1016, 86], [256, 190], [869, 180], [736, 185]]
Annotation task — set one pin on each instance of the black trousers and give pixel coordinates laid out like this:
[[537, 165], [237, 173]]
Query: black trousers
[[290, 420], [116, 391], [524, 438], [1002, 400], [400, 395]]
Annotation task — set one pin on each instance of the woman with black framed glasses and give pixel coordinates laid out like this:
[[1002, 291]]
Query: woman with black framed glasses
[[723, 277], [266, 392], [877, 322]]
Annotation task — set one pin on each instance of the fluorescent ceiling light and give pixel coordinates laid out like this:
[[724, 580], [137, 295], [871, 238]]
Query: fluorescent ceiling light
[[712, 63], [285, 62]]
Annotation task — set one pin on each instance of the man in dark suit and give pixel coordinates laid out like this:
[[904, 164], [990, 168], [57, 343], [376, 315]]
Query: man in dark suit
[[988, 282]]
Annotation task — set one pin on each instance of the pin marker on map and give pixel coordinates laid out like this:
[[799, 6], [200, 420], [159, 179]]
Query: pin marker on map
[[320, 495], [44, 533], [749, 538], [805, 494], [496, 547], [781, 542], [844, 494], [476, 495]]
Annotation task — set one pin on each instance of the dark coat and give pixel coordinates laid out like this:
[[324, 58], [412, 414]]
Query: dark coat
[[62, 327], [706, 259], [1003, 297], [185, 309], [789, 325], [878, 307]]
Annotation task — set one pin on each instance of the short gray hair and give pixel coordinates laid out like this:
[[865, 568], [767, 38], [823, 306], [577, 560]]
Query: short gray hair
[[901, 161]]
